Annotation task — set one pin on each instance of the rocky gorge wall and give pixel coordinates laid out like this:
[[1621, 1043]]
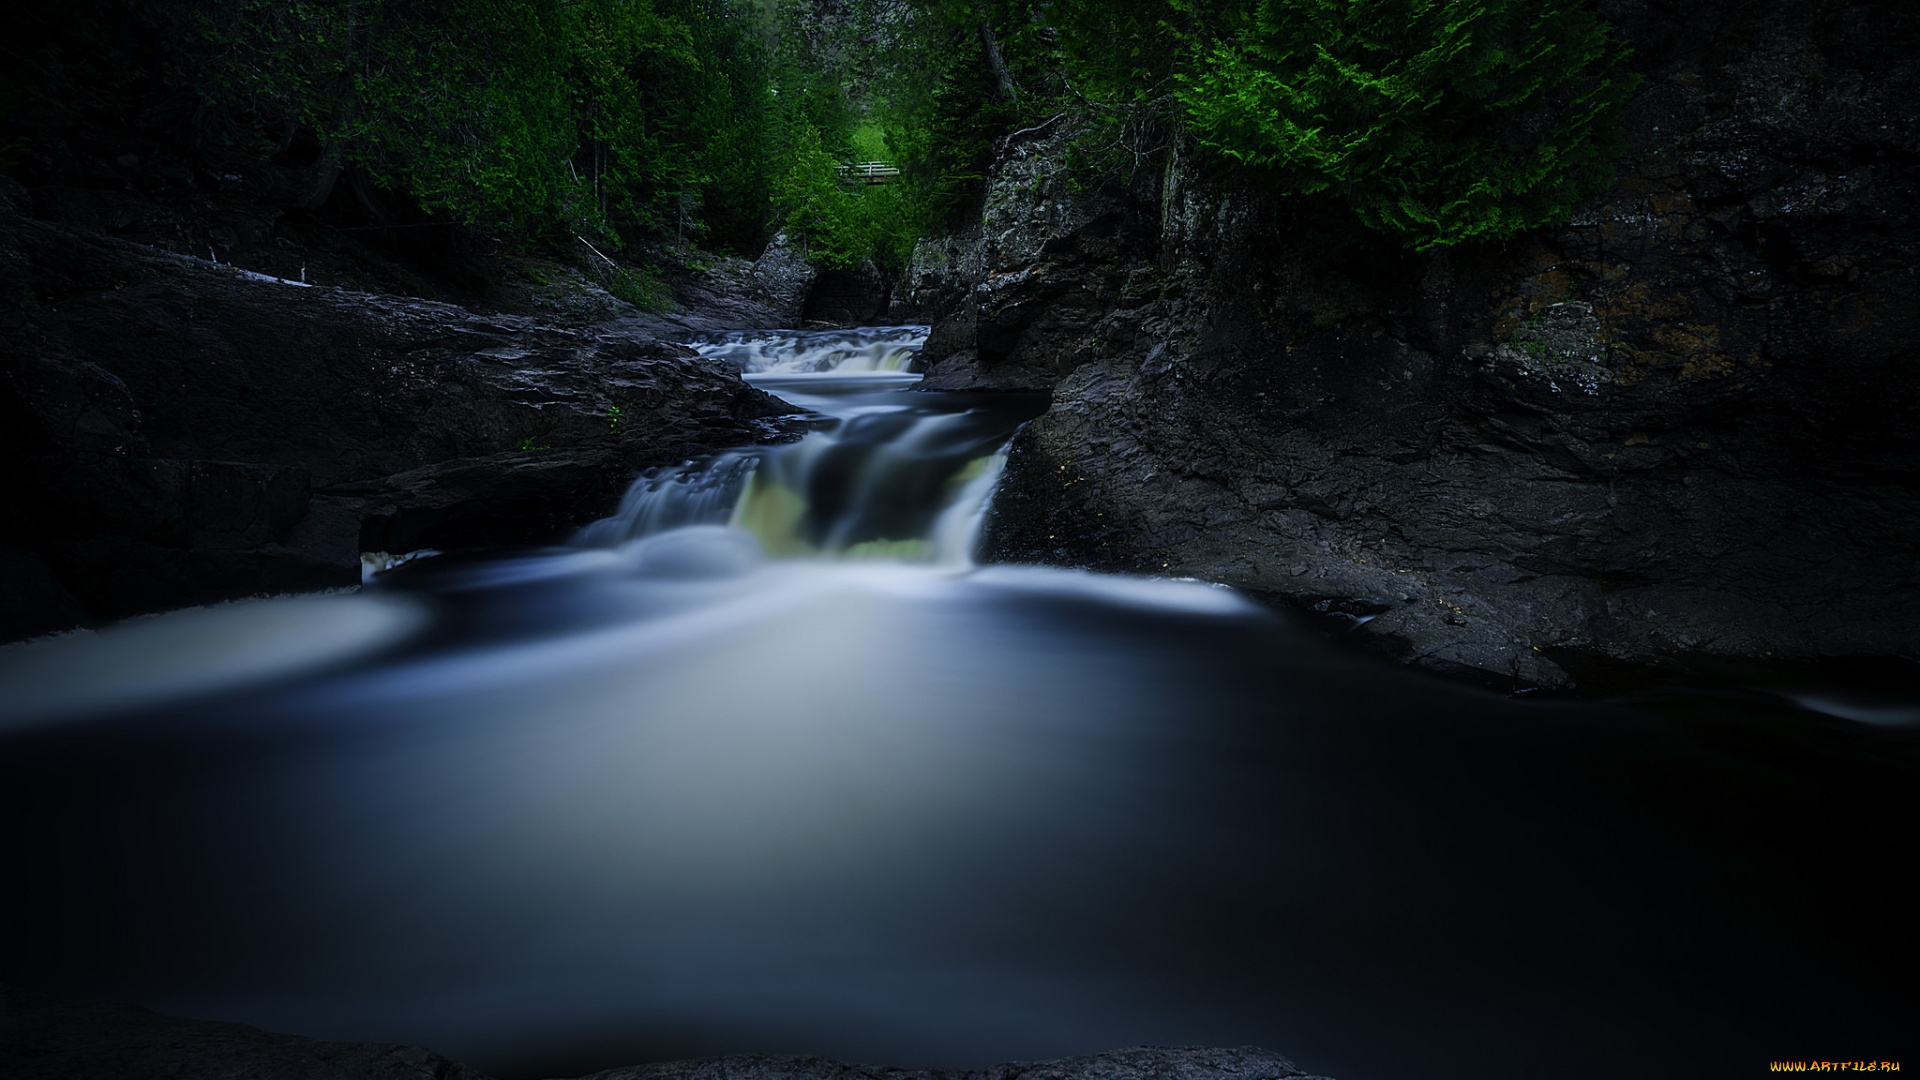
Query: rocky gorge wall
[[1678, 429], [174, 431], [47, 1038]]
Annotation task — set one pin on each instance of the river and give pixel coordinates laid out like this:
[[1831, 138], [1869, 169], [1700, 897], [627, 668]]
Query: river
[[765, 763]]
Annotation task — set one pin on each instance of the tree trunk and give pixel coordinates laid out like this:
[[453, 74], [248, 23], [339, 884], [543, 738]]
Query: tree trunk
[[369, 199], [316, 184], [998, 63]]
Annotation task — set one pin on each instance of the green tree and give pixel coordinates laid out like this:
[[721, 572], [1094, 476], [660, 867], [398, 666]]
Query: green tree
[[939, 100], [527, 116], [1441, 121], [844, 224], [1435, 121], [812, 202]]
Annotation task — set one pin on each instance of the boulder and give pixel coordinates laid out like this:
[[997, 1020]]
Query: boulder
[[782, 279]]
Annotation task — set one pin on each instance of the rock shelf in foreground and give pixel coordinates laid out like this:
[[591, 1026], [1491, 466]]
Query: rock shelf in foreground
[[174, 432], [43, 1038]]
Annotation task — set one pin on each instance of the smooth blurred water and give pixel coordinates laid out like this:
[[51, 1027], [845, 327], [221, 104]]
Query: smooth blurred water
[[867, 350], [668, 794]]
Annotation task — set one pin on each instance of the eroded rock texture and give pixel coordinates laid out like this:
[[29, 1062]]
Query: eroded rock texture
[[46, 1038], [1136, 1063], [1680, 426], [176, 432]]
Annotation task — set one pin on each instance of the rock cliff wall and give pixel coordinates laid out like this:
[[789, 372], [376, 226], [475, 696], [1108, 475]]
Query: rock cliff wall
[[1678, 429], [174, 431], [45, 1038]]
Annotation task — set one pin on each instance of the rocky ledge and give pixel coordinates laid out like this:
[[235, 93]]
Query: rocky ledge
[[1135, 1063], [43, 1038], [1677, 431], [173, 431]]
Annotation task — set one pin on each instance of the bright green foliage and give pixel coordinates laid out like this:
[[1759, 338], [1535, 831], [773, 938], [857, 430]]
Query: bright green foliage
[[945, 141], [1440, 121], [844, 224], [820, 118], [935, 98], [732, 129], [869, 142], [1117, 53], [1435, 121], [815, 204]]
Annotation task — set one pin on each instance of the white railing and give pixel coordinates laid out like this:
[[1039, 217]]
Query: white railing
[[869, 172]]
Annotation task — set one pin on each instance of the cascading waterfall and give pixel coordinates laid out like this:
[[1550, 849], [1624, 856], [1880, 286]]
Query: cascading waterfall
[[795, 352], [881, 478], [673, 497]]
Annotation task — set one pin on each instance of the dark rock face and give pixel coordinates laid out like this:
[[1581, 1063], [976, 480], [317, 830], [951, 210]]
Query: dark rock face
[[1016, 297], [716, 293], [782, 280], [1681, 426], [43, 1038], [848, 297], [177, 432], [1137, 1063], [47, 1039]]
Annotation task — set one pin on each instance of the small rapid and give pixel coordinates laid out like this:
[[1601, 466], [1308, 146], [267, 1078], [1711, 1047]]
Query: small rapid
[[883, 474], [873, 349]]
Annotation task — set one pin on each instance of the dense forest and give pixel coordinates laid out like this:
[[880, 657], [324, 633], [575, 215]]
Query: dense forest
[[715, 123]]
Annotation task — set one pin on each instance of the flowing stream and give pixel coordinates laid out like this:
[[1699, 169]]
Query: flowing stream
[[888, 475], [765, 763]]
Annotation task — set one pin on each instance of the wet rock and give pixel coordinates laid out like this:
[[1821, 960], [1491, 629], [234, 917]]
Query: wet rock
[[33, 600], [177, 432], [782, 279], [1679, 426], [717, 293], [856, 297], [1136, 1063], [1016, 298], [500, 499], [44, 1038]]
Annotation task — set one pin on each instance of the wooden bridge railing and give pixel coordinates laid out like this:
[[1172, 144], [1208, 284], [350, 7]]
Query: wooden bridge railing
[[869, 172]]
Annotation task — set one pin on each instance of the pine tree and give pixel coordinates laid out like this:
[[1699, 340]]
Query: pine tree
[[1441, 121]]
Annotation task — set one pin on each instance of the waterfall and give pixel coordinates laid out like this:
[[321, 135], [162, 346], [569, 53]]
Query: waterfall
[[956, 533], [889, 475], [675, 496], [793, 352]]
